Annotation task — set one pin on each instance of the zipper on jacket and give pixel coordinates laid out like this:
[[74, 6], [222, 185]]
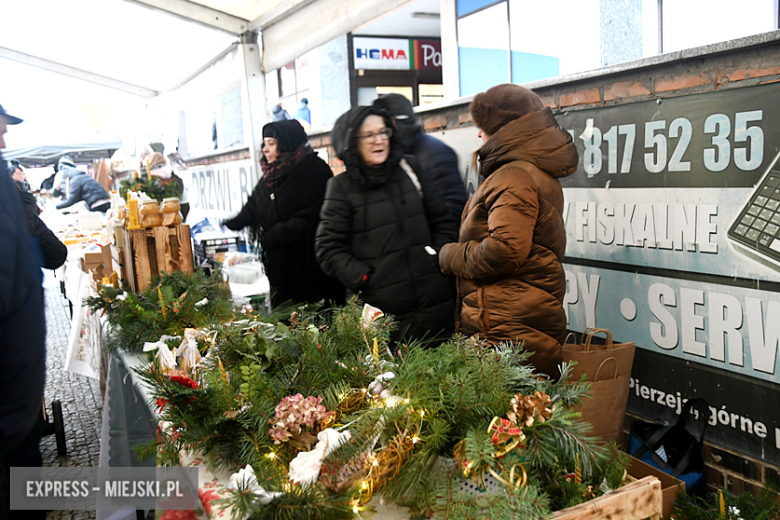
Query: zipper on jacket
[[482, 308]]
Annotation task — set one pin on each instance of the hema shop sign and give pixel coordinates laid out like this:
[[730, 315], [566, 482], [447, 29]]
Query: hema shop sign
[[396, 54], [220, 189], [671, 220]]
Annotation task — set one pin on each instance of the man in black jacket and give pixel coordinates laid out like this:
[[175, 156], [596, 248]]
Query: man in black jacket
[[437, 159], [82, 187], [22, 336]]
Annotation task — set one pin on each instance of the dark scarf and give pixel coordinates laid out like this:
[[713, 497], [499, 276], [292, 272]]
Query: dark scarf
[[274, 172], [377, 175]]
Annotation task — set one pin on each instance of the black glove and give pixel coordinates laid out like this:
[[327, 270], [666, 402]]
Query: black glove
[[228, 223]]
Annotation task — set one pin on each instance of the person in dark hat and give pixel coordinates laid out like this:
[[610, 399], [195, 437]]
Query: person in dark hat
[[437, 159], [6, 119], [282, 215], [82, 187], [382, 225], [23, 332], [507, 260]]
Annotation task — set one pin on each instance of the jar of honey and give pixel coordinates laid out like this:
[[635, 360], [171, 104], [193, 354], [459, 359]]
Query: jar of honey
[[150, 214], [170, 205], [151, 220], [148, 207]]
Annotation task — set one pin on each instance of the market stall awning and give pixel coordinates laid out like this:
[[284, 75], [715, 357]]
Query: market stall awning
[[147, 47], [46, 155]]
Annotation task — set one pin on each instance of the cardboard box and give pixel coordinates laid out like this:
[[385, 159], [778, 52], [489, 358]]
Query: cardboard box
[[99, 264], [669, 484]]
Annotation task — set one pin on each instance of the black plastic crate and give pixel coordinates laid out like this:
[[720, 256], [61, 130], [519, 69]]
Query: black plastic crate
[[207, 248]]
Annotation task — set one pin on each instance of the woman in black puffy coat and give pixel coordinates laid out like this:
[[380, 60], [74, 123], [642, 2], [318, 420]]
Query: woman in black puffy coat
[[283, 212], [382, 225]]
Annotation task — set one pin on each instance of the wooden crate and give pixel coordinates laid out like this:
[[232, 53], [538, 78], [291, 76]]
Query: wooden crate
[[669, 484], [155, 250], [635, 501]]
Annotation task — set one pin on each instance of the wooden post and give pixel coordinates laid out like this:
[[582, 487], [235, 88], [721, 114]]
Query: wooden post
[[165, 260], [142, 260], [184, 239]]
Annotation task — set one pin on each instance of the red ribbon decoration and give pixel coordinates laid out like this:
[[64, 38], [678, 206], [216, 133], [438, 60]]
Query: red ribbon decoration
[[505, 428], [506, 435]]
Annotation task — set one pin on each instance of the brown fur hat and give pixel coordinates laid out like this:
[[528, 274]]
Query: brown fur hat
[[501, 104]]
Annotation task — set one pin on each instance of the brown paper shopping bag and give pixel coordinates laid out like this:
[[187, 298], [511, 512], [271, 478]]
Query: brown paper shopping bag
[[590, 355], [605, 409]]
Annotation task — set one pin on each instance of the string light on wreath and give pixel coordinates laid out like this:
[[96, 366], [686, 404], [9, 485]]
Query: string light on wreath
[[388, 462]]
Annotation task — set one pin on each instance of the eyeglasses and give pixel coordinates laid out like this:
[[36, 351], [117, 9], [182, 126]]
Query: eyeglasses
[[157, 166], [383, 135]]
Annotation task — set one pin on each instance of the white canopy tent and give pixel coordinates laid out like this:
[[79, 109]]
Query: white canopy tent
[[151, 47], [81, 151], [147, 47]]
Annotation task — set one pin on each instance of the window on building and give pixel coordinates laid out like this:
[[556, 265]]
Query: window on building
[[518, 41], [692, 23], [291, 84]]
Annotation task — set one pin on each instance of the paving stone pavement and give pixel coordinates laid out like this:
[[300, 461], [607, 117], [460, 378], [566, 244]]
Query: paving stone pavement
[[79, 395]]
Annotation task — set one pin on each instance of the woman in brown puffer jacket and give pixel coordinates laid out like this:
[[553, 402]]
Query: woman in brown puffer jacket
[[512, 237]]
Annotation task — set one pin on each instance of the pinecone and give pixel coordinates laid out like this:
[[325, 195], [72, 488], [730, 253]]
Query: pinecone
[[338, 478], [526, 409]]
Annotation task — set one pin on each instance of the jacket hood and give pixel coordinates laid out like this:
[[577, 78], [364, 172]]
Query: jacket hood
[[536, 138], [344, 130], [69, 172], [343, 136], [407, 125]]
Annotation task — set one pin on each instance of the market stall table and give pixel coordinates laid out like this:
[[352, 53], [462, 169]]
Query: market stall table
[[129, 420]]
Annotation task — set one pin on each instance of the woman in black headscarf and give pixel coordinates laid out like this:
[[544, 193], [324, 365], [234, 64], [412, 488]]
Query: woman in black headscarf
[[382, 226], [283, 212]]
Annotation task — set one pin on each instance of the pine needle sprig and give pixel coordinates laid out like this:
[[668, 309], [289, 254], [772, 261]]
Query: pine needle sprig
[[747, 506], [171, 303]]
